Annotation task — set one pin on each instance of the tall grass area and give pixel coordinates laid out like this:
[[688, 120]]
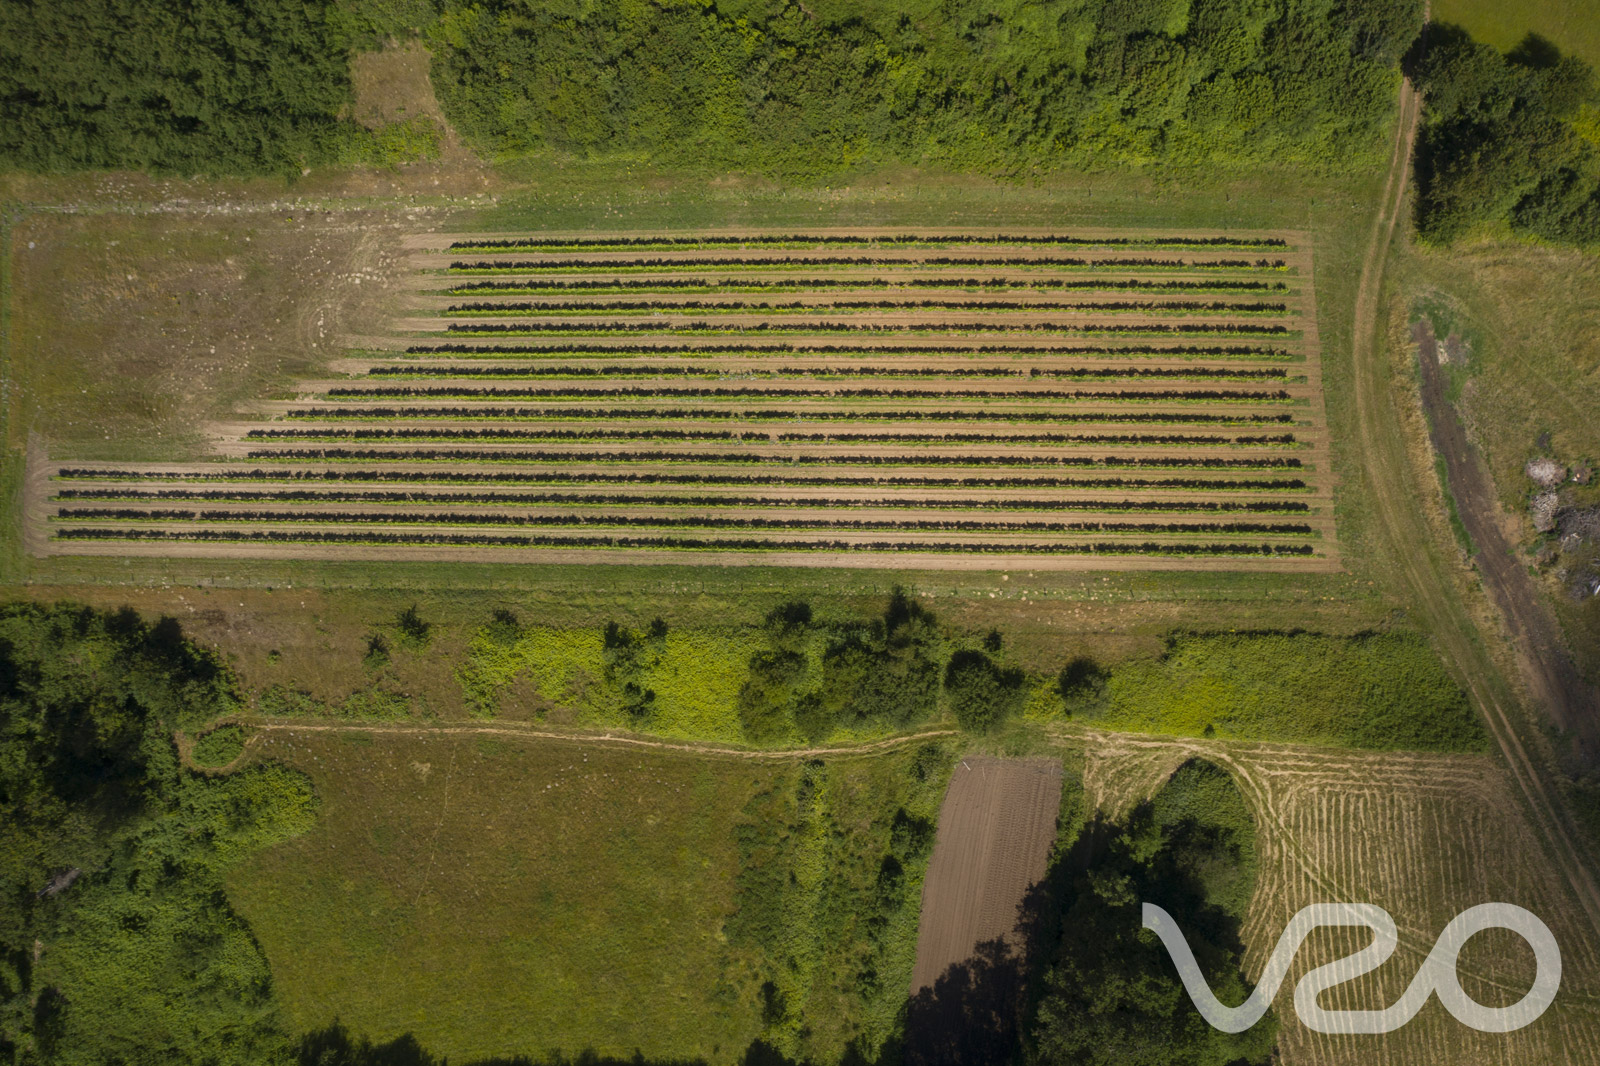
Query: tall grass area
[[790, 679], [493, 896], [1376, 690]]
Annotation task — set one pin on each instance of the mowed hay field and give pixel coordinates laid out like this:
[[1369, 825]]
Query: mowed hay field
[[1424, 837], [496, 894], [1099, 399]]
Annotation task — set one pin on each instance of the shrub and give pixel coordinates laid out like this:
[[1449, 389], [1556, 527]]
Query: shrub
[[219, 747], [982, 694]]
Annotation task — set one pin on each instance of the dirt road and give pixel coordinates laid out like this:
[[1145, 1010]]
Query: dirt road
[[1392, 491]]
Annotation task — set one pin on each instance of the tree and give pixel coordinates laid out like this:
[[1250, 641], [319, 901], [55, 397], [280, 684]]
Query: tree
[[982, 694]]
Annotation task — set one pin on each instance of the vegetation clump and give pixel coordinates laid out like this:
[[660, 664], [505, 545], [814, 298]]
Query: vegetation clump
[[117, 942]]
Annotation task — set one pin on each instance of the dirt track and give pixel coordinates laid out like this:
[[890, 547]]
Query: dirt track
[[996, 825], [1392, 491]]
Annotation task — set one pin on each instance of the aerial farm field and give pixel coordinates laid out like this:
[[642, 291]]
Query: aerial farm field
[[591, 607]]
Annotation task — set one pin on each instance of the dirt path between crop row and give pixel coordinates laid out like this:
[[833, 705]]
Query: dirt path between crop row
[[290, 725], [996, 824], [1387, 467]]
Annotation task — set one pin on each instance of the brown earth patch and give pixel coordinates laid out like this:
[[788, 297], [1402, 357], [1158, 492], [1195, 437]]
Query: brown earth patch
[[995, 828]]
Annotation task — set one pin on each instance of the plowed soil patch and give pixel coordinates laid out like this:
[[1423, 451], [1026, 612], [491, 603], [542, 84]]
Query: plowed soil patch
[[996, 825]]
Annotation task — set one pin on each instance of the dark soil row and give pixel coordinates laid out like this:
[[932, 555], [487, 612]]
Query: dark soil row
[[500, 518], [1233, 351], [620, 499], [435, 455], [903, 240], [375, 538], [540, 370], [530, 329], [911, 262], [748, 306], [329, 414], [564, 477], [747, 285], [663, 391], [445, 434]]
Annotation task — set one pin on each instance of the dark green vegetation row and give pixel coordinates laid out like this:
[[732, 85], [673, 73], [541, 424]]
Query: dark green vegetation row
[[1163, 439], [540, 370], [536, 286], [1053, 262], [759, 414], [909, 240]]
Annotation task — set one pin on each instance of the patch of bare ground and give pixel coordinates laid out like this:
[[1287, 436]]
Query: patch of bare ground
[[996, 826]]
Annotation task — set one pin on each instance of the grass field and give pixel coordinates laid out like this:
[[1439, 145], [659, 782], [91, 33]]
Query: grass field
[[1571, 25], [491, 895]]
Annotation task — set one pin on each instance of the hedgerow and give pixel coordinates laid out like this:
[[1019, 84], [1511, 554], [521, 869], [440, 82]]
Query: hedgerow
[[748, 306], [571, 413], [569, 264], [494, 393], [515, 244], [1235, 351], [434, 455]]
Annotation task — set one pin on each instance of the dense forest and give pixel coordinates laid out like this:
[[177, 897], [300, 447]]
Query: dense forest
[[998, 85]]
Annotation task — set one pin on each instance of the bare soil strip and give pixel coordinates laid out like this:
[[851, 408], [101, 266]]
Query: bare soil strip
[[996, 826]]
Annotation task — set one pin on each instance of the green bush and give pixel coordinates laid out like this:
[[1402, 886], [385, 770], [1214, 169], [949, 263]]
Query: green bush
[[219, 747], [982, 694]]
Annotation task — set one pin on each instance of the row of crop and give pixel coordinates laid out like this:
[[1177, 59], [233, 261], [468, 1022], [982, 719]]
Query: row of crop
[[517, 244], [765, 479], [755, 371], [491, 392], [535, 540], [615, 266], [747, 286], [620, 499], [862, 525], [645, 414], [414, 433], [437, 455], [571, 308], [701, 328], [1186, 351]]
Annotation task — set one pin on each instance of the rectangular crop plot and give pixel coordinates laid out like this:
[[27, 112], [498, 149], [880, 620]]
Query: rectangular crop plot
[[1087, 400]]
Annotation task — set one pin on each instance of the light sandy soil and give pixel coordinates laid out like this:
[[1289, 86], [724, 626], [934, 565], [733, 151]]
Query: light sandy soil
[[996, 826]]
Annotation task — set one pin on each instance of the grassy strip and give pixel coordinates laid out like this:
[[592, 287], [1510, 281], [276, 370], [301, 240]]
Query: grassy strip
[[589, 266], [538, 372], [346, 455], [347, 392], [578, 308], [371, 539], [946, 329], [706, 286], [614, 351], [630, 244]]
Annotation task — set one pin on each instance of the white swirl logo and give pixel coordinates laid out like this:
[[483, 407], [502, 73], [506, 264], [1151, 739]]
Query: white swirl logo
[[1438, 972]]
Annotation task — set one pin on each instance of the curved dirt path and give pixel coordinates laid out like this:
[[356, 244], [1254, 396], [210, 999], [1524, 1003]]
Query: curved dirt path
[[1387, 467]]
